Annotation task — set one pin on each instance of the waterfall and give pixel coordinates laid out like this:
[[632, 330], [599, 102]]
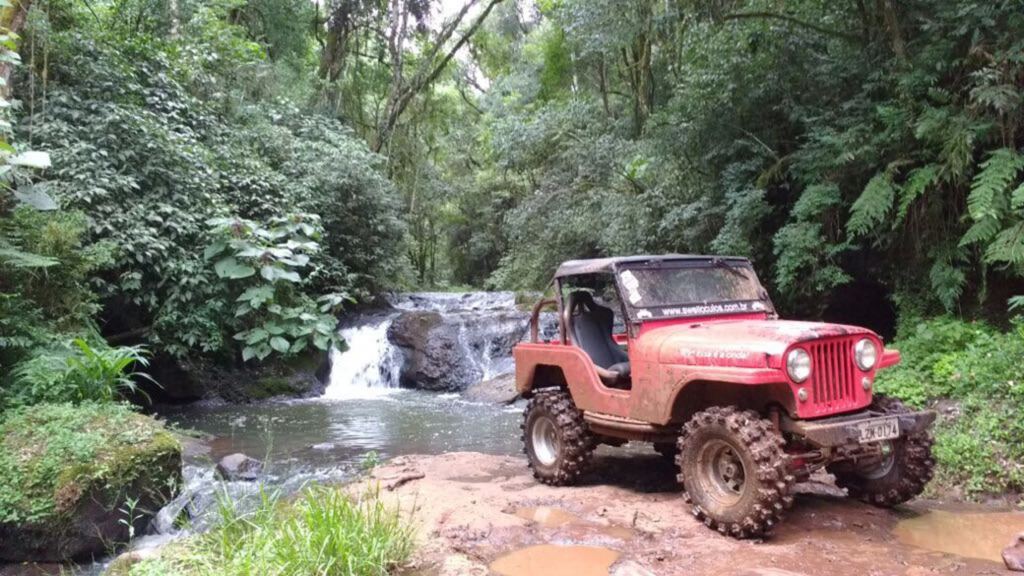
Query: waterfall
[[481, 325], [370, 365]]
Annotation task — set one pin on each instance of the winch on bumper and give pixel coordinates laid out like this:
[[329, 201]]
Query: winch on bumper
[[858, 428]]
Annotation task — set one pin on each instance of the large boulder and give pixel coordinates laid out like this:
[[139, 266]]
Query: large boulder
[[76, 477], [498, 390], [451, 351]]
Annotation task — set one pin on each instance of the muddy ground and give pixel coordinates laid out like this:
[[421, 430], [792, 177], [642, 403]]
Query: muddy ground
[[478, 514]]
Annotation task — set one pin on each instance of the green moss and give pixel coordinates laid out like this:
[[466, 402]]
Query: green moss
[[52, 454], [270, 386]]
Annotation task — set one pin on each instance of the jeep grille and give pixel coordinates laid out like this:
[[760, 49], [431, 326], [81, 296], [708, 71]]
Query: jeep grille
[[833, 382]]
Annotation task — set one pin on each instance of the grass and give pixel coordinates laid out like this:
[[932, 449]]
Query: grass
[[324, 532], [973, 370], [53, 454]]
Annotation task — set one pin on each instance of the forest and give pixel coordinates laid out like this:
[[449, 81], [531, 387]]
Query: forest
[[219, 181]]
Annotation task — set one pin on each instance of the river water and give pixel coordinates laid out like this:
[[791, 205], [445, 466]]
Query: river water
[[363, 416]]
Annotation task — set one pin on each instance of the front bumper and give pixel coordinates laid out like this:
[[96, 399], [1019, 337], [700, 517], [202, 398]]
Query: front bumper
[[846, 429]]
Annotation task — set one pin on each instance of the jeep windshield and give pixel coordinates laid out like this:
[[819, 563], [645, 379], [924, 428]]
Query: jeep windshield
[[691, 289]]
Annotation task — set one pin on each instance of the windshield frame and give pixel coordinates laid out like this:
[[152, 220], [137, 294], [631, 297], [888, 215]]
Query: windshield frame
[[637, 314]]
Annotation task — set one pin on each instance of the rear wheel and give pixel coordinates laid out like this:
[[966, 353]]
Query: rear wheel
[[556, 439], [733, 468], [900, 474]]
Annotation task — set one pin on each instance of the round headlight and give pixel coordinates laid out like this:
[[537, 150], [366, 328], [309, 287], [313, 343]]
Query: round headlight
[[865, 353], [798, 364]]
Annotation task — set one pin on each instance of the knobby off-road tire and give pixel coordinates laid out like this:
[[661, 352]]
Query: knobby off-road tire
[[733, 469], [556, 440], [900, 477]]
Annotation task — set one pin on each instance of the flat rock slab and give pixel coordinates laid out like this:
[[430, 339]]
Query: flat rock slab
[[470, 510]]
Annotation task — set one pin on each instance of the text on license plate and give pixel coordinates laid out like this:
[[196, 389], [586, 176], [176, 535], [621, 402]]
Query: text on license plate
[[878, 430]]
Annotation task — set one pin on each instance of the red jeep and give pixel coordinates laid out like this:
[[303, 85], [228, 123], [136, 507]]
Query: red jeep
[[701, 366]]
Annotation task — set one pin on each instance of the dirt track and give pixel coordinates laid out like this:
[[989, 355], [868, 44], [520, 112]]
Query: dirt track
[[472, 509]]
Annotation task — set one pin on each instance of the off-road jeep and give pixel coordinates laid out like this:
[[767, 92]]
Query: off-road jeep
[[743, 403]]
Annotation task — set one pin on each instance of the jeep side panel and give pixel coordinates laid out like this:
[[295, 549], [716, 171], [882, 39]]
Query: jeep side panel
[[539, 365]]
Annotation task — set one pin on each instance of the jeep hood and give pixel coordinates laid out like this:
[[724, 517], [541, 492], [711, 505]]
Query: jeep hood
[[739, 343]]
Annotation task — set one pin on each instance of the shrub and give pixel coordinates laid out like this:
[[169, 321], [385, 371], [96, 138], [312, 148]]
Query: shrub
[[977, 367], [324, 531], [76, 372]]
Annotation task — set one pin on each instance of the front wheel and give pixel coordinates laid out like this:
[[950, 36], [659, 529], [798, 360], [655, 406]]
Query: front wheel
[[556, 439], [733, 468], [900, 474]]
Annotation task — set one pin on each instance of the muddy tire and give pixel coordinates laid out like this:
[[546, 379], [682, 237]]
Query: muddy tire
[[556, 440], [733, 469], [902, 475]]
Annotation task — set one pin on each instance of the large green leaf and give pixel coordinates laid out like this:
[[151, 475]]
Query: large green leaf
[[232, 269], [273, 273], [280, 344], [31, 159], [36, 197]]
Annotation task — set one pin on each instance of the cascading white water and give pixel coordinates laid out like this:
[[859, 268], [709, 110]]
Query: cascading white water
[[370, 365], [483, 323]]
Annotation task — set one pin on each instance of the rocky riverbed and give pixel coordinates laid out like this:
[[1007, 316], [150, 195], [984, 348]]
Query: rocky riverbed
[[479, 514]]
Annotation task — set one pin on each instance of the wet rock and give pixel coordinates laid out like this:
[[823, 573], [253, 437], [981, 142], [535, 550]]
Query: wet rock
[[445, 352], [122, 565], [323, 446], [499, 390], [304, 376], [1013, 555], [238, 466]]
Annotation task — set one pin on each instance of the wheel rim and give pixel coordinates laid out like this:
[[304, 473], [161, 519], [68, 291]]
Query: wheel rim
[[884, 465], [721, 472], [546, 443]]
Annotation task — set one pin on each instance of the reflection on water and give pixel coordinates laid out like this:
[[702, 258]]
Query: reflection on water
[[980, 535], [319, 435]]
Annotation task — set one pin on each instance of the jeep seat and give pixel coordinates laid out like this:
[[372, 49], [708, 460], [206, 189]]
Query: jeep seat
[[590, 328]]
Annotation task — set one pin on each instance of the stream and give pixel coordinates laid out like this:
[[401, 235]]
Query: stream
[[364, 416]]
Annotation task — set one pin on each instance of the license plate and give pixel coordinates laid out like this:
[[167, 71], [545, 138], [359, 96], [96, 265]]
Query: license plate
[[878, 430]]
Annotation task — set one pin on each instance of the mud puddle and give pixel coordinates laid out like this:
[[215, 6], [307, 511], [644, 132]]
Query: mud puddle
[[550, 517], [552, 560], [980, 535]]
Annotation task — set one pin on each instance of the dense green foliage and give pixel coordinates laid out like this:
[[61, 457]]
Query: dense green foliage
[[324, 531], [51, 455], [833, 142], [973, 371]]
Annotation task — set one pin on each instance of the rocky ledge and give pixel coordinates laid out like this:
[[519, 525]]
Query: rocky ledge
[[76, 479], [478, 514]]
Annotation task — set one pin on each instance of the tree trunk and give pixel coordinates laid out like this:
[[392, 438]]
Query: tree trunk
[[12, 19]]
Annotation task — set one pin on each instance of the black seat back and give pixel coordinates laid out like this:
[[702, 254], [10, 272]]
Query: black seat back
[[591, 330]]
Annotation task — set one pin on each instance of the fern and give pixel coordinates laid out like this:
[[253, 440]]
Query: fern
[[916, 185], [987, 198], [872, 206], [981, 231], [1017, 198], [11, 256], [947, 282], [1016, 303], [1008, 246]]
